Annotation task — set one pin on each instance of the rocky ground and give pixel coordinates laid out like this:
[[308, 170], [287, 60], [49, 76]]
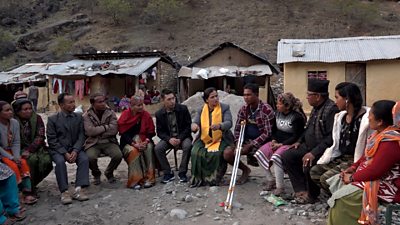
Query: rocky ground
[[173, 203]]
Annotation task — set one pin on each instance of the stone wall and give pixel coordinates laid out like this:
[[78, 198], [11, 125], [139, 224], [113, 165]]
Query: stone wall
[[169, 76]]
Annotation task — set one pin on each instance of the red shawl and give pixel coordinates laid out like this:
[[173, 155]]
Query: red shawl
[[128, 120]]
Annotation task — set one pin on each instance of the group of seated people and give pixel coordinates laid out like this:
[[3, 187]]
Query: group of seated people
[[150, 96], [344, 149]]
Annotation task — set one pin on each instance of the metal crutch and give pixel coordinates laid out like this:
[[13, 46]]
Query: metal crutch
[[229, 197]]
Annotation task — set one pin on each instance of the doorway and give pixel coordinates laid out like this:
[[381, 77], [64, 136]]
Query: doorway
[[356, 73]]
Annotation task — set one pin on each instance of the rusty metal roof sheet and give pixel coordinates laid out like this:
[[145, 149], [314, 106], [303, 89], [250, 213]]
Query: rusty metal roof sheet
[[79, 67]]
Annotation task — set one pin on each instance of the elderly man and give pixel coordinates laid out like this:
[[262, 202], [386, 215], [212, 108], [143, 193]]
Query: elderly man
[[317, 136], [173, 128], [260, 119], [100, 124], [66, 137]]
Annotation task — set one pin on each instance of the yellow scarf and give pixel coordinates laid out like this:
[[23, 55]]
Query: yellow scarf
[[211, 143]]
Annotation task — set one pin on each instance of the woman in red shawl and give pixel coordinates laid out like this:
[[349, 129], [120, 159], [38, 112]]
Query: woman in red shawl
[[136, 128], [375, 176]]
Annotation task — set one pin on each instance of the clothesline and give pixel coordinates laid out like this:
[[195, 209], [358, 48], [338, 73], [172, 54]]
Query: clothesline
[[79, 87]]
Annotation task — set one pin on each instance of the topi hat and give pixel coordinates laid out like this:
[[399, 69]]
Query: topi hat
[[318, 86]]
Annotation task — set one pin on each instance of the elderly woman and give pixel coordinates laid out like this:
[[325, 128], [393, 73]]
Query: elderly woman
[[214, 121], [136, 128], [375, 176], [10, 148], [290, 121], [33, 146]]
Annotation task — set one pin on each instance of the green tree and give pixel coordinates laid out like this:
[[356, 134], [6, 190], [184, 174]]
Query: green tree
[[62, 46], [118, 9], [363, 13]]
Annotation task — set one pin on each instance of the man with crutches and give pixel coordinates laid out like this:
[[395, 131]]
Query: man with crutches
[[259, 118]]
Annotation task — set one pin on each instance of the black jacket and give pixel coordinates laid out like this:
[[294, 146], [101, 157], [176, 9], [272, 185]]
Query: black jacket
[[183, 120], [65, 135]]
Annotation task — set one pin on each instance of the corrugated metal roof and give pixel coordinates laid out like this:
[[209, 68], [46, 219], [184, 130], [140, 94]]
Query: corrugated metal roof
[[350, 49], [4, 77], [77, 67], [220, 71], [33, 68]]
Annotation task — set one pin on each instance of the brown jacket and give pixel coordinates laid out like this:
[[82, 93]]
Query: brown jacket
[[100, 132]]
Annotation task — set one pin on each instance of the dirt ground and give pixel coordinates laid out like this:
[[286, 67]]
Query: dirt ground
[[116, 204]]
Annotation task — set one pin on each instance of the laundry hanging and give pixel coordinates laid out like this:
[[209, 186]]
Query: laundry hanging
[[57, 86], [79, 88]]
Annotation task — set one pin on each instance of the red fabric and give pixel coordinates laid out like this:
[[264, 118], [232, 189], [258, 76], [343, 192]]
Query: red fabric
[[55, 87], [384, 160], [387, 157], [20, 171], [128, 120]]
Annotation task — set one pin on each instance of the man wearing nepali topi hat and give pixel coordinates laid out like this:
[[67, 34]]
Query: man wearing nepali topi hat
[[317, 136]]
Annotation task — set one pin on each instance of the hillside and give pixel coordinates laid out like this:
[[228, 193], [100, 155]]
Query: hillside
[[50, 30]]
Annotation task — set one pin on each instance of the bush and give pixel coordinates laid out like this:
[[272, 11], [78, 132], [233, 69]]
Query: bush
[[6, 45], [118, 9], [163, 10], [62, 47], [363, 13]]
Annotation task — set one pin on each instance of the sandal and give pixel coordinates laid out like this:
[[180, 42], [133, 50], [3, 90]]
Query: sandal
[[269, 185], [19, 216], [278, 191], [8, 222], [22, 209], [303, 200], [244, 177], [30, 200], [223, 182]]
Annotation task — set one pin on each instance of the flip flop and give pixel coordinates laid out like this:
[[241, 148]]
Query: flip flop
[[22, 209], [269, 185], [223, 182], [8, 222], [303, 200], [241, 181], [17, 217], [30, 200]]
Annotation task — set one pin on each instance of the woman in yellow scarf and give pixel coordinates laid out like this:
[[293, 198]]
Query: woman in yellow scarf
[[213, 120]]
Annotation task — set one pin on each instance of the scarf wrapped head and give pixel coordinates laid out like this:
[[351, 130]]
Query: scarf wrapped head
[[127, 120]]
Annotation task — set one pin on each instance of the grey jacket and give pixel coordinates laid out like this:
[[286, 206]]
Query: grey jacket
[[225, 125], [16, 140], [100, 131], [65, 134]]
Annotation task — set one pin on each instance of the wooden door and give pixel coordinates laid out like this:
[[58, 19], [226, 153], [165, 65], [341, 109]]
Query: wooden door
[[355, 73]]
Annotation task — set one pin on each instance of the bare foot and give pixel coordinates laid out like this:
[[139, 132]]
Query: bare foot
[[244, 177]]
